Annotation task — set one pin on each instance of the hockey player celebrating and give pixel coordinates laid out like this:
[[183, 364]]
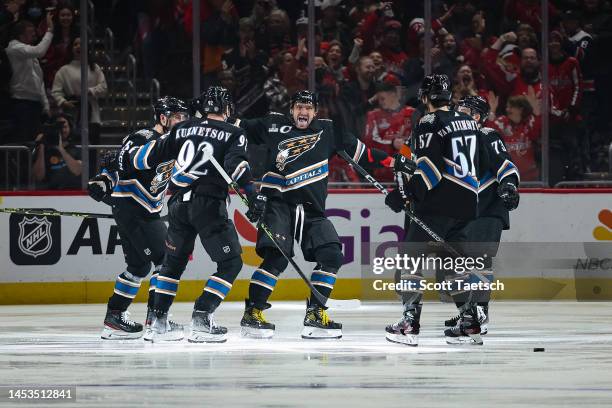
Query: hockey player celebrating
[[199, 209], [444, 190], [137, 198], [299, 147], [497, 195]]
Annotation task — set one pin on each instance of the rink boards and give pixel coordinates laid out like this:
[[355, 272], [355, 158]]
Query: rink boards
[[75, 260]]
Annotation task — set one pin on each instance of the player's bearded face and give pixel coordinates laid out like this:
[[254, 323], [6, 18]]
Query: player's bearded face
[[303, 114]]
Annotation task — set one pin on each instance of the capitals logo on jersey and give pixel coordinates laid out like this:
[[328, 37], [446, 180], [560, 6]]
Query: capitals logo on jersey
[[291, 149], [164, 171]]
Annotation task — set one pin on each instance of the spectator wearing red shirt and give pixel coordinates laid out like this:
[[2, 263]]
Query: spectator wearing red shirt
[[567, 144], [520, 129], [64, 32], [388, 126], [529, 12]]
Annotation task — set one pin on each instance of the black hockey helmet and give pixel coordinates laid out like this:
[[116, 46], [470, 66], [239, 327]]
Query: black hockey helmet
[[477, 104], [216, 100], [168, 105], [305, 97], [436, 87]]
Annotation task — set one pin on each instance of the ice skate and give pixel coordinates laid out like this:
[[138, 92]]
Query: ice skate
[[163, 330], [254, 323], [467, 330], [204, 329], [118, 326], [483, 319], [148, 331], [318, 325], [404, 331]]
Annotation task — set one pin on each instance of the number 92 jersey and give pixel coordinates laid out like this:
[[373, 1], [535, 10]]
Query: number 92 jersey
[[192, 143], [446, 179]]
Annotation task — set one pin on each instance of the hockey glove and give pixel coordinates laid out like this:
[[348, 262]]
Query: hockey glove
[[404, 165], [99, 187], [509, 193], [257, 206], [109, 160], [395, 201]]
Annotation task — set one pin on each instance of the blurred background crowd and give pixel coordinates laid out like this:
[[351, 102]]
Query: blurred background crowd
[[369, 59]]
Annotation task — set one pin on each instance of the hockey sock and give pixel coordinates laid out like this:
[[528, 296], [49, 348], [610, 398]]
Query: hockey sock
[[165, 289], [323, 280], [265, 277], [152, 286], [329, 260], [219, 285], [126, 288]]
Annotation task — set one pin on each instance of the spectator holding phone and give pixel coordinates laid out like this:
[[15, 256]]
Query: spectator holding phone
[[57, 163]]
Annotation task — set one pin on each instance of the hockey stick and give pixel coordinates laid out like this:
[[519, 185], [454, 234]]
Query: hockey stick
[[407, 210], [53, 213], [334, 303], [49, 213]]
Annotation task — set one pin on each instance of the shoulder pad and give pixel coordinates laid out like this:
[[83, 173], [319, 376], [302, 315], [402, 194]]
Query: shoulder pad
[[146, 133], [429, 118], [487, 130]]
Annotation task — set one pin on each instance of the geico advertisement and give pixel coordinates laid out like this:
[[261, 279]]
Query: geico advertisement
[[54, 249]]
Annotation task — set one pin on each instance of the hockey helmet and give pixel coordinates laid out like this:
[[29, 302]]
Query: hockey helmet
[[168, 105], [436, 87], [477, 104]]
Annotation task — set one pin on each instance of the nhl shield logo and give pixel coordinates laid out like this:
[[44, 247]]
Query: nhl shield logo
[[35, 236], [35, 240]]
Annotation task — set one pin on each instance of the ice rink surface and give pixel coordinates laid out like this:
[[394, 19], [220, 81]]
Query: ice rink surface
[[60, 345]]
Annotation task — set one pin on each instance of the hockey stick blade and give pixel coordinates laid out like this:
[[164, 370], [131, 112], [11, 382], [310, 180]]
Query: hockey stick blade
[[334, 303]]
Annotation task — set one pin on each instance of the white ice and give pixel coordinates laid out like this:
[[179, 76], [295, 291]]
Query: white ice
[[60, 345]]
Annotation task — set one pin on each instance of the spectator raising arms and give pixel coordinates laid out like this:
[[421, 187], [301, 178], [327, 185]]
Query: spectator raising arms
[[27, 88], [64, 32]]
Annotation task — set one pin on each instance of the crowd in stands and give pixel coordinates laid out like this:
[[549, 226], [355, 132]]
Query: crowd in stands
[[369, 62]]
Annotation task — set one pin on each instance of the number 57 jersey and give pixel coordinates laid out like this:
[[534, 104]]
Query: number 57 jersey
[[446, 182], [192, 144]]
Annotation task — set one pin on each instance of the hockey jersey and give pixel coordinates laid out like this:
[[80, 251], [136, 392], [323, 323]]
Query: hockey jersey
[[496, 167], [146, 188], [446, 180], [189, 147], [297, 164]]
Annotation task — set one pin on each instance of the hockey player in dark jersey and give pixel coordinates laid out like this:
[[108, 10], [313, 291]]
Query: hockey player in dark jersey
[[444, 191], [497, 195], [199, 208], [137, 198], [299, 147]]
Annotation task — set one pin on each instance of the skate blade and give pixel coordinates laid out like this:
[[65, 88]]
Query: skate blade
[[472, 339], [203, 337], [316, 333], [256, 333], [406, 339], [112, 334], [168, 336], [148, 336]]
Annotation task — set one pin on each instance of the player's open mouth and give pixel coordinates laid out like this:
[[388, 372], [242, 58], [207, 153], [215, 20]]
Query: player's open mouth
[[302, 120]]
